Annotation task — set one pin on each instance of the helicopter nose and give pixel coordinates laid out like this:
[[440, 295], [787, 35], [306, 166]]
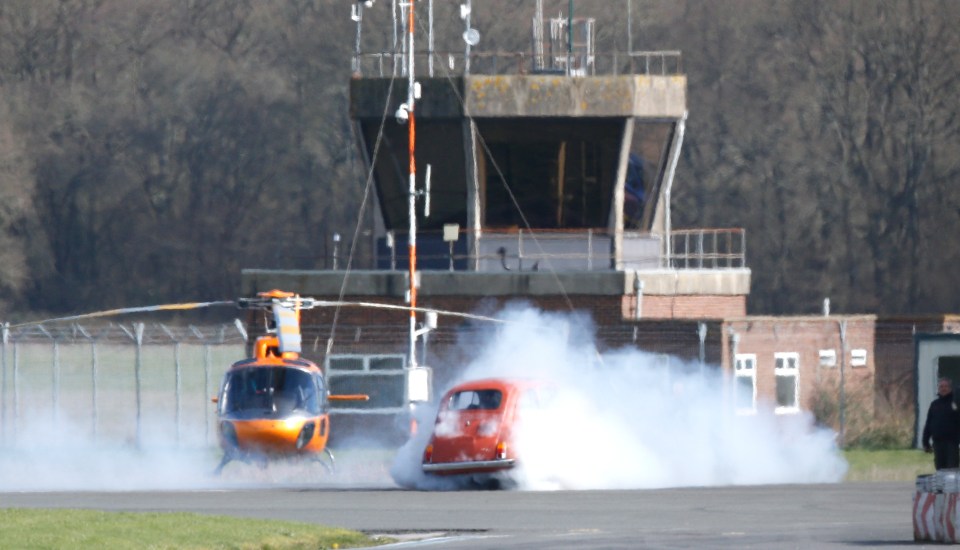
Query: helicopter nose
[[268, 435]]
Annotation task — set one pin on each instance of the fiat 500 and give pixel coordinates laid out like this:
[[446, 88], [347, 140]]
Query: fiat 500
[[476, 421]]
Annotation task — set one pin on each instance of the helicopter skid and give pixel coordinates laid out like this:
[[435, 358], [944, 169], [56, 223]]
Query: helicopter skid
[[263, 459]]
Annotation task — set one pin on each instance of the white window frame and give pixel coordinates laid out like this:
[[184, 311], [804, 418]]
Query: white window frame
[[366, 359], [742, 370], [365, 371], [787, 363]]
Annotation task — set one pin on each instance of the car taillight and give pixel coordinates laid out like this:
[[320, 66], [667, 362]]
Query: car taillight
[[428, 454], [501, 450]]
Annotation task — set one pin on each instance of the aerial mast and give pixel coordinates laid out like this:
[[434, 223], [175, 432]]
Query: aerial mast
[[412, 192]]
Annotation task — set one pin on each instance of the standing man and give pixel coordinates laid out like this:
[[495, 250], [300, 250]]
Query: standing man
[[943, 428]]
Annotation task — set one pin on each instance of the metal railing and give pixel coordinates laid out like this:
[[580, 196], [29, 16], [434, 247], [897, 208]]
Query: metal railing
[[570, 250], [707, 249], [385, 64]]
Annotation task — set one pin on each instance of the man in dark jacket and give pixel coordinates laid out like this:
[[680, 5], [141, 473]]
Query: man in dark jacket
[[943, 428]]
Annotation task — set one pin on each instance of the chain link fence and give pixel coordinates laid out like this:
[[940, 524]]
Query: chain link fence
[[130, 383]]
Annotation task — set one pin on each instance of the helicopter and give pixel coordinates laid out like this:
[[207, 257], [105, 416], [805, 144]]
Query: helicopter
[[276, 403]]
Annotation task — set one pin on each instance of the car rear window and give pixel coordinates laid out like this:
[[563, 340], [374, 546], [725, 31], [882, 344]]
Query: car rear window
[[475, 399]]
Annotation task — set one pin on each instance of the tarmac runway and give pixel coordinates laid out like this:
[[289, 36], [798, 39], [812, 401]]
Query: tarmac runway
[[846, 515]]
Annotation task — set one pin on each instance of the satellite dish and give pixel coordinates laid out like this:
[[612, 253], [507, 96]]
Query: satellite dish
[[471, 36]]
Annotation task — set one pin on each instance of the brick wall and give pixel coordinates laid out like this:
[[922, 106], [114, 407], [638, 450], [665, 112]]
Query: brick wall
[[819, 386], [685, 307], [896, 358]]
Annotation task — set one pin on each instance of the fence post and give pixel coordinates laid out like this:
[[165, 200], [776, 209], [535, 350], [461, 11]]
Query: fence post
[[94, 363], [843, 389], [16, 387], [93, 380], [176, 360], [176, 378], [206, 387], [3, 388], [54, 375], [138, 330]]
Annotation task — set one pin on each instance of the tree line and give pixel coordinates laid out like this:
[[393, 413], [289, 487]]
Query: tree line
[[150, 150]]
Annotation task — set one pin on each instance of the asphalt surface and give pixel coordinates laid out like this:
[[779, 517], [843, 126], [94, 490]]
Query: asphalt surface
[[848, 515]]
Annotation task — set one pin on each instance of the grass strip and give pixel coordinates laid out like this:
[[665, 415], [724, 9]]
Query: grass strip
[[36, 528], [887, 465]]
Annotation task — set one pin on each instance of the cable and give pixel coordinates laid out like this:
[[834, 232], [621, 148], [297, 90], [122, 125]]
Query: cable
[[446, 73], [363, 204]]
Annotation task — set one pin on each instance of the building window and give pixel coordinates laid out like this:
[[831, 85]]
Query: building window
[[787, 371], [745, 383], [379, 376]]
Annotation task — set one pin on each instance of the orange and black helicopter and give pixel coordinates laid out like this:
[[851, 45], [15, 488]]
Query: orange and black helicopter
[[276, 403]]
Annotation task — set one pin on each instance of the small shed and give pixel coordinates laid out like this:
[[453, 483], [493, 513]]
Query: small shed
[[937, 355]]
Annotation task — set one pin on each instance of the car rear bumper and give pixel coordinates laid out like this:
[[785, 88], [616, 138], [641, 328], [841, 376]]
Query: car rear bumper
[[471, 466]]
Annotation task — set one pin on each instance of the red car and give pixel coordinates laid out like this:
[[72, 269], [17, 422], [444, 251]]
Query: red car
[[472, 435]]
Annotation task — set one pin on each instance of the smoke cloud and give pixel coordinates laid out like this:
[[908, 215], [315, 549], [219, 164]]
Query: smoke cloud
[[626, 420], [54, 455], [49, 455]]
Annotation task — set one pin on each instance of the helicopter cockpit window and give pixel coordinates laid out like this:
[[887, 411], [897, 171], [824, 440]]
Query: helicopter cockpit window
[[322, 391], [272, 391]]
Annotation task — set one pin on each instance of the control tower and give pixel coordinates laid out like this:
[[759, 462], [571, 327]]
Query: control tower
[[554, 162], [548, 174]]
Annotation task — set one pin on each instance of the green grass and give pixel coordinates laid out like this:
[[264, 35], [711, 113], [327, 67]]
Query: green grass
[[27, 528], [887, 465]]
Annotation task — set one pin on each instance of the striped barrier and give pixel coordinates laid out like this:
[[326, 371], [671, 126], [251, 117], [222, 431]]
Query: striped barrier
[[935, 517]]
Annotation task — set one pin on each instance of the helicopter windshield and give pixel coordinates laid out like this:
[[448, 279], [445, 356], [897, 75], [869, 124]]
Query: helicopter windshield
[[271, 391]]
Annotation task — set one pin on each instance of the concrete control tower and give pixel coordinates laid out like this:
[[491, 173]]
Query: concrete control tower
[[550, 176], [557, 160]]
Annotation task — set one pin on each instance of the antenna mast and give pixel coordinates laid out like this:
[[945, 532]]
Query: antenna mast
[[412, 198]]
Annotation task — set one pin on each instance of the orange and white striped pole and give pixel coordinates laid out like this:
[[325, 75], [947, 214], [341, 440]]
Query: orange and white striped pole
[[412, 199]]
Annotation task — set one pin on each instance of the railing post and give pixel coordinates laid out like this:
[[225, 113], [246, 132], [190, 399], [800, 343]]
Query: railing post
[[743, 248], [520, 249], [716, 250], [700, 249], [590, 249]]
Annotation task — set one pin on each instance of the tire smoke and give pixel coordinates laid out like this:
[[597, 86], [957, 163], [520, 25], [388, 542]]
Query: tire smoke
[[626, 419]]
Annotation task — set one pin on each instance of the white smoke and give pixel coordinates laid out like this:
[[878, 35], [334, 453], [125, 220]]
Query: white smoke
[[626, 420], [49, 455]]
